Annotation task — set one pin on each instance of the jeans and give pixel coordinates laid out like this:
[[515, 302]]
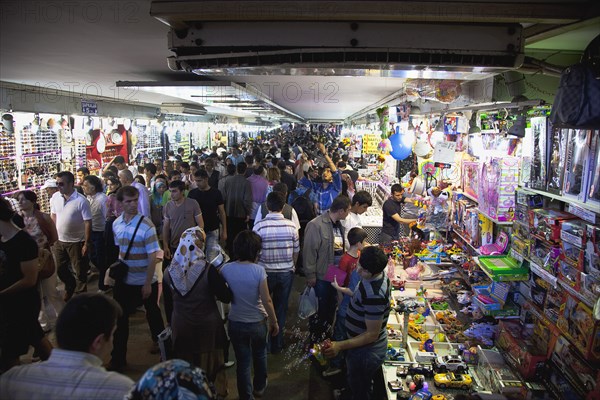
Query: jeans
[[98, 256], [362, 365], [249, 340], [339, 334], [69, 254], [320, 323], [129, 297], [280, 286], [212, 241]]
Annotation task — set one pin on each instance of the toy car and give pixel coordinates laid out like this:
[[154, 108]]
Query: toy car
[[439, 397], [420, 369], [446, 317], [421, 395], [417, 332], [440, 305], [452, 380], [450, 363]]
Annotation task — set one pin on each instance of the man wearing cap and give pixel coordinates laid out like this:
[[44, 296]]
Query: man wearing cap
[[50, 187]]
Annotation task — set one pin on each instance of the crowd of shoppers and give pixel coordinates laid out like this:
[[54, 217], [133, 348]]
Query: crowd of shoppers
[[183, 212]]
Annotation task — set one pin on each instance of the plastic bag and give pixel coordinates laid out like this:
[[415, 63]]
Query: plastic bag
[[309, 305]]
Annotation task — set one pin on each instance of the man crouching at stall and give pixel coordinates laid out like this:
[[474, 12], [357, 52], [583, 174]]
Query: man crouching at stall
[[366, 321]]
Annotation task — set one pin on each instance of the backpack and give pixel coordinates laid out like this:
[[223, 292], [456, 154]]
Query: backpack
[[576, 102], [304, 207]]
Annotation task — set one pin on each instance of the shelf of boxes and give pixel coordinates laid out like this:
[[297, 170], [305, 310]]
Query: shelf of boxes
[[587, 206]]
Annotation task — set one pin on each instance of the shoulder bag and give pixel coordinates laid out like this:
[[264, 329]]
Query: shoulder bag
[[118, 270]]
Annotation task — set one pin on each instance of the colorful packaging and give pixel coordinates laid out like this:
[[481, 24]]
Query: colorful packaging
[[577, 164], [556, 161], [593, 189], [538, 175]]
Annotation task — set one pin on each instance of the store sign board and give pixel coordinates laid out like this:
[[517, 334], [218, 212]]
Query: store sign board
[[444, 152], [89, 107], [370, 144]]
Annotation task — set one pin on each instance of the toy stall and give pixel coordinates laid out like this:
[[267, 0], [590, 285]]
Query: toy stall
[[497, 284]]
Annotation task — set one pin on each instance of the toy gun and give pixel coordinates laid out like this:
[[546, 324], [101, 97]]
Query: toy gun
[[317, 351]]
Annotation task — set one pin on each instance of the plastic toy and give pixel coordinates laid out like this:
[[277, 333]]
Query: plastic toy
[[420, 369], [417, 332], [495, 248], [452, 380], [422, 394], [446, 317], [317, 351], [427, 346], [450, 363], [439, 305], [394, 354]]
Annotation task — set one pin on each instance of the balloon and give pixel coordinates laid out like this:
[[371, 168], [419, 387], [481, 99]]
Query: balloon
[[399, 150]]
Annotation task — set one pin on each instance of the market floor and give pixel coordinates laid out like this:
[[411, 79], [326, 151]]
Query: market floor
[[292, 375]]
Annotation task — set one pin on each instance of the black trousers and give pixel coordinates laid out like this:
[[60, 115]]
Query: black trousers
[[234, 226], [129, 298]]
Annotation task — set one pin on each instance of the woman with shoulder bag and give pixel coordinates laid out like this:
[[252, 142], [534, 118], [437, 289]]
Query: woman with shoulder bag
[[42, 229], [195, 283]]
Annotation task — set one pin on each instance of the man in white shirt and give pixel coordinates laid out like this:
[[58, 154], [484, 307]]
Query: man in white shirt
[[84, 332], [92, 188], [361, 201], [126, 179], [72, 216]]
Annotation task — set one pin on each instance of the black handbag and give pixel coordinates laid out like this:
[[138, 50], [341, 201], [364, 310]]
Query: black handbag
[[119, 269]]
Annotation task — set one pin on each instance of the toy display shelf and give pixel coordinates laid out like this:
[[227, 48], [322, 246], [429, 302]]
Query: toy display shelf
[[587, 206], [466, 241], [468, 196], [495, 221]]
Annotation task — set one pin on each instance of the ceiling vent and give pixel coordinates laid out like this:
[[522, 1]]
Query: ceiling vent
[[182, 109], [285, 48]]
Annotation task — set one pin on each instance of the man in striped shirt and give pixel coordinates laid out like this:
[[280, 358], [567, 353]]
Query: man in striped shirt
[[366, 320], [74, 371], [279, 254], [140, 285]]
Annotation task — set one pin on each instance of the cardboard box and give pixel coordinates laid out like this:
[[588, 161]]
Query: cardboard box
[[593, 189], [576, 321], [577, 164], [496, 291], [579, 372], [556, 159], [518, 349], [547, 223], [539, 168]]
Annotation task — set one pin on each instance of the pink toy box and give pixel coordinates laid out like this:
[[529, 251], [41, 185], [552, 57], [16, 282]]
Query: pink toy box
[[498, 182]]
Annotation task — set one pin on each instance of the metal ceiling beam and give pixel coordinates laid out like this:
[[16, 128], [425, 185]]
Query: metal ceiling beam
[[183, 14], [537, 33]]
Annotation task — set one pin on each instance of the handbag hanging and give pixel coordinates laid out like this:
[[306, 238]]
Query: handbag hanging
[[118, 270]]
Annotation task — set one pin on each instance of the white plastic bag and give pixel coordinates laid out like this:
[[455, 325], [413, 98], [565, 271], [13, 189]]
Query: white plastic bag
[[309, 304]]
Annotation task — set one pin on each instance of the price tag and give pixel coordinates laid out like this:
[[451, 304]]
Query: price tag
[[89, 107], [370, 143], [444, 152]]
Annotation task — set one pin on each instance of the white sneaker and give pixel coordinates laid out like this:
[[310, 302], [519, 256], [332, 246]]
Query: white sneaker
[[259, 393], [229, 364]]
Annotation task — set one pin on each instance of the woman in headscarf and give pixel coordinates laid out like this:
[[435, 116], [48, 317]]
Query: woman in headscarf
[[173, 380], [198, 331]]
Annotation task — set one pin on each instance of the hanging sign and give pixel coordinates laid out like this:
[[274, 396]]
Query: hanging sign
[[444, 152], [89, 107], [370, 143]]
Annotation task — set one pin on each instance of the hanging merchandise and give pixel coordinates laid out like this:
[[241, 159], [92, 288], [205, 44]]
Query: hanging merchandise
[[401, 143], [576, 102]]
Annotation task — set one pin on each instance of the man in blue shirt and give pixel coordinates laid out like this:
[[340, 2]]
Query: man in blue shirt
[[331, 186]]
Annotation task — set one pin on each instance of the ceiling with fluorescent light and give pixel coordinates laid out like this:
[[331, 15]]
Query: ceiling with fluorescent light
[[84, 47]]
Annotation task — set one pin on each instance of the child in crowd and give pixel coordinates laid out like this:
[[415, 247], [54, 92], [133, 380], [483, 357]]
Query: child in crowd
[[357, 238]]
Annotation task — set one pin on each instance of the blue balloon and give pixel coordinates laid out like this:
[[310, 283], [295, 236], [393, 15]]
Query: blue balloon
[[399, 151]]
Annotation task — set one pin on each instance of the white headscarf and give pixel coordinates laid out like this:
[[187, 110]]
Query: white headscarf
[[189, 261]]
